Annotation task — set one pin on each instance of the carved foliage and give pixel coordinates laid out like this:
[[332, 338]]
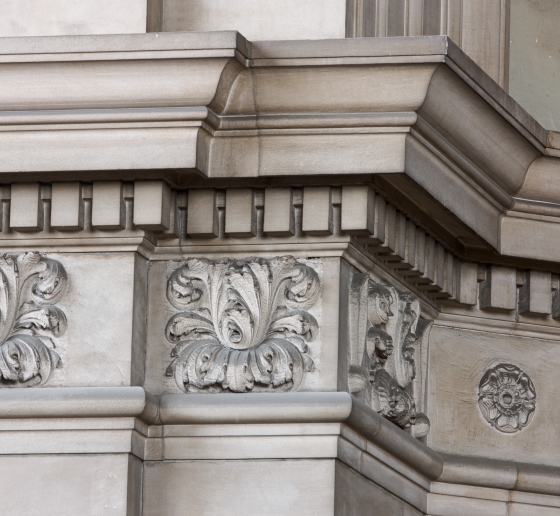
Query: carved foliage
[[507, 398], [30, 285], [243, 324], [384, 330]]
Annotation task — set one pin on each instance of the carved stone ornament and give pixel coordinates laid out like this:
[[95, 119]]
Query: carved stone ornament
[[243, 324], [385, 327], [29, 287], [507, 398]]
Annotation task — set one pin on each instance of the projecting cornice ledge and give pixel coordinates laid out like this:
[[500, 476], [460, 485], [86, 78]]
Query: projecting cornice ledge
[[415, 106]]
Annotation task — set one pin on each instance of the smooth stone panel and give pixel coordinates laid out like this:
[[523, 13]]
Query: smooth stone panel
[[92, 149], [239, 488], [96, 348], [457, 360], [529, 238], [64, 485], [534, 65], [259, 19], [355, 495], [71, 17]]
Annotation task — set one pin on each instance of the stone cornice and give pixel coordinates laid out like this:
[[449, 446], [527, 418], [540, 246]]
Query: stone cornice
[[236, 109]]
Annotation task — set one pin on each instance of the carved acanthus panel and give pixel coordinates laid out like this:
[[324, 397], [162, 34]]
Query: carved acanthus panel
[[243, 324], [30, 286], [385, 328]]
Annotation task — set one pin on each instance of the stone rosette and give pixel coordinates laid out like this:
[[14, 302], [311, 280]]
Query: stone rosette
[[507, 398]]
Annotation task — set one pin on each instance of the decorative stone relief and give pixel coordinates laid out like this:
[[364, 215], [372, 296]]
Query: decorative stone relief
[[30, 285], [243, 324], [507, 398], [385, 327]]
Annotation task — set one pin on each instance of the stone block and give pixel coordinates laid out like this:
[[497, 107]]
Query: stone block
[[499, 290], [458, 360], [152, 202], [278, 212], [95, 350], [241, 214], [108, 207], [66, 17], [317, 211], [239, 488], [67, 209], [466, 282], [202, 213], [535, 296], [355, 495], [26, 207], [281, 19], [358, 210], [64, 485]]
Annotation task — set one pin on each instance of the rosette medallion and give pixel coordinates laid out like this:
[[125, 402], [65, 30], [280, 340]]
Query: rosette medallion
[[507, 398]]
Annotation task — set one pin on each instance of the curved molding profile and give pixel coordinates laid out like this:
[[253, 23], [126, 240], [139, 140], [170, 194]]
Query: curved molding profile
[[30, 287], [259, 408], [384, 329], [244, 324], [72, 402]]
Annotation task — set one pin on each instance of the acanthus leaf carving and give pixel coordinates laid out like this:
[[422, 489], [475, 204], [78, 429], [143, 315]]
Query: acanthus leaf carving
[[384, 332], [243, 324], [30, 285]]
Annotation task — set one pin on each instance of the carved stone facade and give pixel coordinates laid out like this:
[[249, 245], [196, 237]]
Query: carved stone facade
[[310, 267], [385, 327], [31, 286], [243, 324]]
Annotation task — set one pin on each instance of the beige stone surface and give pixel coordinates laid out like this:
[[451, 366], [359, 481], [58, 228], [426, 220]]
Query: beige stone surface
[[152, 203], [278, 20], [107, 207], [96, 348], [26, 213], [67, 208], [355, 495], [64, 485], [457, 361], [534, 59], [67, 17], [238, 488]]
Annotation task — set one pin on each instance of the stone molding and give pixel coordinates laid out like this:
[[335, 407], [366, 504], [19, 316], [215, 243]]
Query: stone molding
[[115, 213], [431, 125], [365, 436], [123, 214], [71, 402], [259, 408]]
